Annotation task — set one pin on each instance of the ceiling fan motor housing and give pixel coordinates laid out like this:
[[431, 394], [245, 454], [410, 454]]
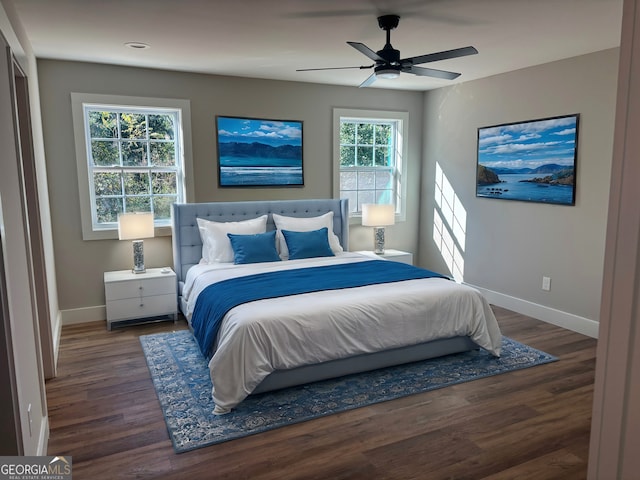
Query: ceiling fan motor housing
[[390, 55]]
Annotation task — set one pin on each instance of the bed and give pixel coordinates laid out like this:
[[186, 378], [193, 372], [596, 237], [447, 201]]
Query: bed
[[264, 342]]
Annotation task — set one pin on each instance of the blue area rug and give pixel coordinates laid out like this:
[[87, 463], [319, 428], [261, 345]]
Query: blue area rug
[[181, 379]]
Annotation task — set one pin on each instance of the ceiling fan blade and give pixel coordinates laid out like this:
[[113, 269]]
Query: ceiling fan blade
[[368, 81], [434, 57], [363, 67], [432, 72], [328, 13], [362, 48]]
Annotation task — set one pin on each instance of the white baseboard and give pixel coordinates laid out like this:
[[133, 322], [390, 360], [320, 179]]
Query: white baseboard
[[84, 315], [562, 319], [57, 331], [43, 437]]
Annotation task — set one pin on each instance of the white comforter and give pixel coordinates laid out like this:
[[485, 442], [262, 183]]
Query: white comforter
[[259, 337]]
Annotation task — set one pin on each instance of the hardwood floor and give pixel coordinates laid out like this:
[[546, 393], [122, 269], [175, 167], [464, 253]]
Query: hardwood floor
[[528, 424]]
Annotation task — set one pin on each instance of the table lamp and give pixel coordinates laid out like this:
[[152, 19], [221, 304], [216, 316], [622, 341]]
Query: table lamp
[[136, 226], [378, 216]]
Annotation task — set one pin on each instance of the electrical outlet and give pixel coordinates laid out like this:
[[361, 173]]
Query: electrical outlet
[[546, 283]]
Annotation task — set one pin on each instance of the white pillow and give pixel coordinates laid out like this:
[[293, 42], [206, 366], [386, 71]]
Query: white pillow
[[306, 224], [216, 246]]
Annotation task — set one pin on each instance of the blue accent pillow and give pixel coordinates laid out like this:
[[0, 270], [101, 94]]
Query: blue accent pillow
[[308, 244], [256, 248]]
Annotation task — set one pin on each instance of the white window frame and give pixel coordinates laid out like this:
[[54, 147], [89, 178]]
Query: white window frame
[[90, 231], [401, 159]]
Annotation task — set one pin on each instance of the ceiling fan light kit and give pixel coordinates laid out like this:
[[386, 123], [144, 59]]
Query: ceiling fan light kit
[[387, 73], [389, 65]]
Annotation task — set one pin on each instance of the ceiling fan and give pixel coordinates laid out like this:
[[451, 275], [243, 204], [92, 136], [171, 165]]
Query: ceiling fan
[[388, 63]]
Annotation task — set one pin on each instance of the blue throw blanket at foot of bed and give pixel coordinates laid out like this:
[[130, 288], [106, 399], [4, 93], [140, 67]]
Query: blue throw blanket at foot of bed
[[216, 300]]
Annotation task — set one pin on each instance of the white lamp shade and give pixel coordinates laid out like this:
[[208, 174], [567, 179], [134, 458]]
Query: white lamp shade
[[375, 215], [134, 226]]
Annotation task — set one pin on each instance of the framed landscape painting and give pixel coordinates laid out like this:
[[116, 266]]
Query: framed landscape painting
[[255, 152], [533, 161]]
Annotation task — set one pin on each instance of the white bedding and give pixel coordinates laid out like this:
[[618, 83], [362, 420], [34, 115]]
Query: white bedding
[[266, 335]]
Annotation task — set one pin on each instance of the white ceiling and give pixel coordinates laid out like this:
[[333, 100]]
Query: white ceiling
[[272, 38]]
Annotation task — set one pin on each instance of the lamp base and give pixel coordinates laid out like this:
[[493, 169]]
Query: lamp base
[[378, 240], [138, 257]]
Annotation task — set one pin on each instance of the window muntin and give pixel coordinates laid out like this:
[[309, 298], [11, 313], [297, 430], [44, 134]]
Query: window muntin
[[370, 156], [134, 162]]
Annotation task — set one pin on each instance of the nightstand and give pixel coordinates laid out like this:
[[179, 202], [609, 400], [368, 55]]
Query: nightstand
[[391, 254], [140, 297]]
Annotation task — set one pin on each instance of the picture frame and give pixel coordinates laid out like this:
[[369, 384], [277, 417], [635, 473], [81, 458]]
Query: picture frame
[[530, 161], [257, 152]]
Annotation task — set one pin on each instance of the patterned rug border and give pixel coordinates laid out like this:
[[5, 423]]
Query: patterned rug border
[[181, 379]]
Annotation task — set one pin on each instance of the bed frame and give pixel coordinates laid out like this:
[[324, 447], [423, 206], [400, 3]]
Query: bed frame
[[187, 251]]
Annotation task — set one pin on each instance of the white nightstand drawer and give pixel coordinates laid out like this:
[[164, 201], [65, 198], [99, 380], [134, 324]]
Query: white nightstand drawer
[[140, 287], [152, 306]]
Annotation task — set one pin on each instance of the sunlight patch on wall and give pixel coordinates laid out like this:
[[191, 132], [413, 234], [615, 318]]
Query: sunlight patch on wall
[[449, 225]]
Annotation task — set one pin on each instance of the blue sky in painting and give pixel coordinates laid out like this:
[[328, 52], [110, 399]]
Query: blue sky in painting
[[528, 145], [269, 132]]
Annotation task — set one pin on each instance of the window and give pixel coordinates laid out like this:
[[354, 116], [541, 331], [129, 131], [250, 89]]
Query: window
[[131, 159], [370, 151]]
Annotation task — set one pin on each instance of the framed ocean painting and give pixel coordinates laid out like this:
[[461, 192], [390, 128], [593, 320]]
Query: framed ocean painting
[[532, 161], [254, 152]]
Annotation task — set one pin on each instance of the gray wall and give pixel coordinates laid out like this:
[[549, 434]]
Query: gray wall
[[508, 246], [511, 245], [81, 263]]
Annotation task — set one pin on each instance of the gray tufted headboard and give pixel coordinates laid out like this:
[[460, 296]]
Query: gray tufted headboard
[[187, 246]]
